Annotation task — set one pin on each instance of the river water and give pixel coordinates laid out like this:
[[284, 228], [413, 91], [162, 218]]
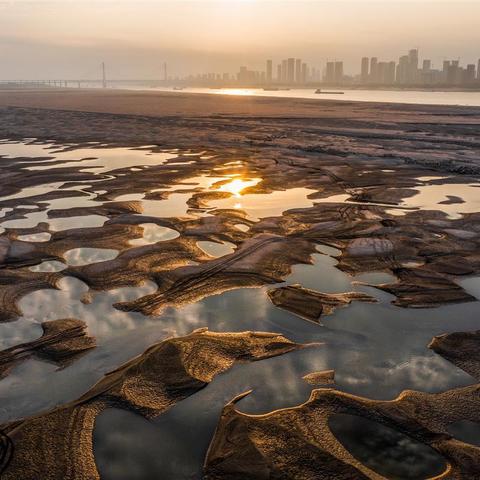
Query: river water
[[390, 96]]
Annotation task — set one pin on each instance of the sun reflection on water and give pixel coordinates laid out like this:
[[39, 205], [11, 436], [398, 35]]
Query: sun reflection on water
[[237, 185]]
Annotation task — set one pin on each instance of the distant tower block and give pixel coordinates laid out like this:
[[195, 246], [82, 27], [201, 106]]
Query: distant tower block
[[269, 71], [298, 71], [373, 70], [291, 70], [284, 70], [104, 76], [304, 73], [338, 72], [365, 70]]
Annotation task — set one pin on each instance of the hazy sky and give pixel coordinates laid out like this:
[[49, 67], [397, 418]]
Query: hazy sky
[[70, 38]]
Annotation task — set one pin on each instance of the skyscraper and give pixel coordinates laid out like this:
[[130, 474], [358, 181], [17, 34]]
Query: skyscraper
[[470, 74], [279, 73], [284, 71], [338, 72], [364, 71], [390, 80], [269, 71], [402, 70], [298, 71], [291, 70], [304, 74], [330, 72], [373, 70], [412, 72]]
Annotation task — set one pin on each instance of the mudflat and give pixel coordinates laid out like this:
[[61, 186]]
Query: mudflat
[[178, 200]]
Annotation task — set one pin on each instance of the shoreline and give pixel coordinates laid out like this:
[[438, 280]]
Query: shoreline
[[166, 103]]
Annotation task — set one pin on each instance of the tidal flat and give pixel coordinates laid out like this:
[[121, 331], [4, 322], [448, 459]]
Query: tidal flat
[[199, 286]]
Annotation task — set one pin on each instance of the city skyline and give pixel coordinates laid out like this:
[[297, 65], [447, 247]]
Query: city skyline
[[406, 71], [70, 38]]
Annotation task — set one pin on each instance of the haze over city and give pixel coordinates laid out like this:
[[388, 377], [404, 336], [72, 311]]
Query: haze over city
[[69, 39]]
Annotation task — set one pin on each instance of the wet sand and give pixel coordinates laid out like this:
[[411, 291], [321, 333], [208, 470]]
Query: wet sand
[[259, 184]]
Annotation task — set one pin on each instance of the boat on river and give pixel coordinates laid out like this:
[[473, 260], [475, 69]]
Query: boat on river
[[328, 92]]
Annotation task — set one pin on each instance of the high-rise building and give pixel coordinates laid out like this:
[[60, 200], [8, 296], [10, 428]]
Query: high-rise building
[[402, 70], [298, 71], [390, 80], [330, 72], [284, 71], [381, 72], [304, 74], [373, 70], [427, 65], [279, 73], [469, 77], [291, 70], [269, 71], [412, 72], [364, 71], [338, 72]]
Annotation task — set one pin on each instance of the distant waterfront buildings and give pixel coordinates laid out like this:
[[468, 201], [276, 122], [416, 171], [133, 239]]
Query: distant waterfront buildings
[[408, 71]]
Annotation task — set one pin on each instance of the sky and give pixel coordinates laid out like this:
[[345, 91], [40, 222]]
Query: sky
[[69, 39]]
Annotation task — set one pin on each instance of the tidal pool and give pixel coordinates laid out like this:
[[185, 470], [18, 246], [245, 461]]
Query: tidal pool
[[377, 350], [261, 205], [86, 256], [48, 266], [385, 450], [153, 233], [216, 249], [35, 237]]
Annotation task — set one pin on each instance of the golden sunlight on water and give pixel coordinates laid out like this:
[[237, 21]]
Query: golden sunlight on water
[[237, 185], [234, 91]]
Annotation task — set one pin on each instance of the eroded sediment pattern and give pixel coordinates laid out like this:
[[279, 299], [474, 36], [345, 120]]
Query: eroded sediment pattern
[[298, 442], [58, 444], [271, 185]]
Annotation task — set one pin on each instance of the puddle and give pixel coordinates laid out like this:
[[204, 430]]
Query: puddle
[[471, 285], [67, 223], [24, 149], [215, 249], [32, 219], [101, 160], [430, 196], [376, 350], [376, 278], [28, 192], [242, 227], [86, 256], [267, 205], [50, 266], [21, 331], [466, 431], [430, 178], [153, 233], [385, 450], [35, 237]]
